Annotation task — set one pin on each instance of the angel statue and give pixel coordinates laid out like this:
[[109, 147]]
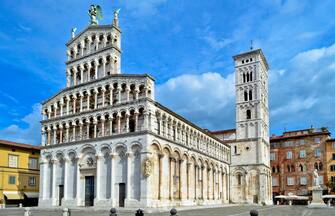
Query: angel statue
[[73, 32], [95, 13]]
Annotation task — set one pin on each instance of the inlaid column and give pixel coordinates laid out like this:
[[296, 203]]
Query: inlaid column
[[118, 119], [48, 135], [98, 193], [95, 122], [95, 98], [74, 75], [60, 133], [68, 77], [66, 176], [103, 90], [74, 103], [88, 128], [61, 103], [55, 109], [183, 180], [111, 125], [127, 122], [74, 131], [89, 67], [67, 104], [127, 93], [160, 176], [112, 157], [78, 184], [89, 41], [49, 112], [104, 66], [188, 180], [136, 92], [171, 175], [82, 68], [81, 95], [82, 45], [81, 124], [54, 179], [96, 64], [54, 135], [129, 168], [196, 179], [103, 125]]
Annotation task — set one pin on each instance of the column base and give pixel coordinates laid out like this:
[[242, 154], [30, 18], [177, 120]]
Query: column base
[[44, 203], [104, 202], [131, 203], [69, 203]]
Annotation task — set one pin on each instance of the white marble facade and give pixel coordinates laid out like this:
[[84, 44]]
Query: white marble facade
[[107, 142]]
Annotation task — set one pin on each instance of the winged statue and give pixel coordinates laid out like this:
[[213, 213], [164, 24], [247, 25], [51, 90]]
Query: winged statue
[[95, 13]]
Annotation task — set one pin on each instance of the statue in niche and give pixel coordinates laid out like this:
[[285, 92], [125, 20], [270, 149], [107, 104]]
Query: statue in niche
[[95, 13], [147, 167]]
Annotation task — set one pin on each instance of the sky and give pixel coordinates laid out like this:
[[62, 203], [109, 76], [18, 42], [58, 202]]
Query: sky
[[187, 45]]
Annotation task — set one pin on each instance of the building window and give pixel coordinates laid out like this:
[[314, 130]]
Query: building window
[[317, 139], [333, 145], [332, 168], [289, 155], [239, 179], [303, 180], [248, 114], [273, 156], [33, 163], [317, 152], [332, 179], [301, 142], [11, 179], [235, 149], [302, 153], [274, 181], [250, 95], [273, 169], [13, 160], [290, 180], [32, 181], [333, 156], [245, 96]]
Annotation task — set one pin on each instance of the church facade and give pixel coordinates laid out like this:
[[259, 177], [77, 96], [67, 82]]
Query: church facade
[[107, 142]]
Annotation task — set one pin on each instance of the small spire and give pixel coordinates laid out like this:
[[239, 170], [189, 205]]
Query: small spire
[[116, 17], [251, 45]]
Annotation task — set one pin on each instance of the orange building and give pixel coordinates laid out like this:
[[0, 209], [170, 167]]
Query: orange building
[[330, 160]]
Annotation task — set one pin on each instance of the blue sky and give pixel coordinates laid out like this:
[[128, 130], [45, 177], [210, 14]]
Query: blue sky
[[187, 45]]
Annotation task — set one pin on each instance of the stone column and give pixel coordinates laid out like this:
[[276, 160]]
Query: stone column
[[98, 193], [196, 179], [104, 66], [88, 128], [112, 178], [81, 95], [55, 109], [82, 68], [96, 64], [67, 104], [103, 125], [127, 122], [160, 176], [183, 180], [67, 126], [171, 175], [49, 112], [60, 133], [118, 119], [43, 140], [103, 89], [129, 182], [89, 40], [61, 106], [48, 135], [89, 72], [78, 189], [68, 77], [54, 135], [136, 92], [74, 76], [42, 179], [95, 122], [54, 179], [74, 103], [82, 44], [66, 176], [127, 93], [81, 129], [74, 131], [95, 98], [188, 167]]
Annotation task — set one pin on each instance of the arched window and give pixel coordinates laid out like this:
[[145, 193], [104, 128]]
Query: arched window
[[239, 179], [245, 96], [248, 113], [250, 76], [244, 78], [235, 149], [132, 126], [247, 77], [250, 94], [288, 168], [273, 169], [301, 168], [316, 166], [320, 166], [292, 168]]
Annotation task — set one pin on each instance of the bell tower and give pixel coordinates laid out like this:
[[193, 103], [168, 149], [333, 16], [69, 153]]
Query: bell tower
[[251, 174]]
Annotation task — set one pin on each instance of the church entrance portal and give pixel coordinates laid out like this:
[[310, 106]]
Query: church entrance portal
[[89, 190], [122, 194]]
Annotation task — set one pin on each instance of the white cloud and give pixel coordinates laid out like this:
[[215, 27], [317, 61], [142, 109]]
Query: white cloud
[[206, 99], [217, 43], [29, 134]]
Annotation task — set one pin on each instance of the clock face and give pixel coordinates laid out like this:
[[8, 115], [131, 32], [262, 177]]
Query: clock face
[[90, 162]]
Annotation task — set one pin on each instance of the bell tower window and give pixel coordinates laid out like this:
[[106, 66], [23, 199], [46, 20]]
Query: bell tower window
[[248, 114]]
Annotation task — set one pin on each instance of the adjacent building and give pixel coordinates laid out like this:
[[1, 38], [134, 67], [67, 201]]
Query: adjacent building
[[330, 161], [295, 155], [19, 173]]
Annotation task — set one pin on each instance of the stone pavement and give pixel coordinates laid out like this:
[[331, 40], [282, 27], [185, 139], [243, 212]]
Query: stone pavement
[[222, 211]]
